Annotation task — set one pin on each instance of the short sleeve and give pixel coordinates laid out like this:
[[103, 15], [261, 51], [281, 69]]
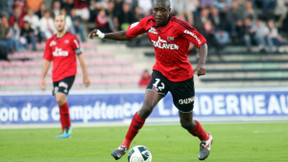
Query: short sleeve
[[76, 46], [191, 34], [47, 52], [136, 29]]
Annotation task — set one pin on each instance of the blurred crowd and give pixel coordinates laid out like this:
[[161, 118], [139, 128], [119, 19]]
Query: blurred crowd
[[25, 23]]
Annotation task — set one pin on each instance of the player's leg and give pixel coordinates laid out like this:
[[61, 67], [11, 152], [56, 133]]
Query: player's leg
[[61, 99], [183, 97], [137, 122], [155, 92], [60, 92], [194, 127], [150, 101]]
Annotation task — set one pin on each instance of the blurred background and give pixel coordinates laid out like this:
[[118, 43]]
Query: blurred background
[[247, 65], [247, 41]]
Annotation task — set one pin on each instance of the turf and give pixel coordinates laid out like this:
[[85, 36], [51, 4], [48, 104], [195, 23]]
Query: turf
[[241, 142]]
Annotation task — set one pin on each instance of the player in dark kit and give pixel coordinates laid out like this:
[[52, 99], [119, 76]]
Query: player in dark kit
[[62, 49], [172, 71]]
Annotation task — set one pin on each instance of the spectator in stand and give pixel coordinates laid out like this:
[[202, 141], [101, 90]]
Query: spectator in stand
[[6, 41], [145, 6], [183, 10], [110, 13], [234, 14], [206, 3], [249, 10], [192, 7], [222, 38], [280, 13], [249, 32], [34, 4], [28, 33], [117, 12], [267, 6], [239, 33], [17, 17], [200, 20], [82, 9], [274, 39], [137, 13], [33, 19], [101, 21], [21, 4], [222, 6], [217, 21], [68, 5], [4, 8], [261, 35], [77, 24], [15, 32], [126, 17], [42, 10], [47, 27], [209, 31], [68, 22], [145, 79], [56, 8]]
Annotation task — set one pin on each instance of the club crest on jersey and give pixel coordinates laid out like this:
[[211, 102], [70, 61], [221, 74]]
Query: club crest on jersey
[[170, 38], [152, 30], [52, 43], [66, 41], [59, 52], [162, 44]]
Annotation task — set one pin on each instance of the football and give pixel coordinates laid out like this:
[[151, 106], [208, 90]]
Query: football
[[139, 153]]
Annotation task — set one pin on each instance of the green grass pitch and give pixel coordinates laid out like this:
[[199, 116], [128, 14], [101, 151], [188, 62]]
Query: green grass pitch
[[243, 142]]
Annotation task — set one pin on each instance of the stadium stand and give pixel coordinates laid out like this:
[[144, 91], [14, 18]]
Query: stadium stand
[[241, 62]]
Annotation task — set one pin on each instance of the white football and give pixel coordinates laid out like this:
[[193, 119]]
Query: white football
[[139, 153]]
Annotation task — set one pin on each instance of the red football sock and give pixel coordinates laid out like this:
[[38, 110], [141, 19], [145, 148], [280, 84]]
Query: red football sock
[[64, 116], [199, 132], [136, 124]]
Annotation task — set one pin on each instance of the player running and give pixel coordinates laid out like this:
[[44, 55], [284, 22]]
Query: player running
[[172, 71], [62, 49]]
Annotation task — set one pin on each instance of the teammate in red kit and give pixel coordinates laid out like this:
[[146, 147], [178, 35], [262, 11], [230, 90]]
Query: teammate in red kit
[[172, 71], [62, 49]]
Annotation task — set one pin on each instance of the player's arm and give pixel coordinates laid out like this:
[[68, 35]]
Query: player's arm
[[200, 42], [45, 68], [115, 35], [79, 52], [86, 79], [46, 65], [134, 30], [200, 68]]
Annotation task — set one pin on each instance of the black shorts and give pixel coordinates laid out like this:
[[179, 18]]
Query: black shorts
[[63, 86], [182, 92]]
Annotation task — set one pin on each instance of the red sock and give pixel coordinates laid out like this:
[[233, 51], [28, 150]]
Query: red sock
[[135, 126], [199, 132], [64, 116]]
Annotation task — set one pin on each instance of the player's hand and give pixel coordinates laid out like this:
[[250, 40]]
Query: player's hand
[[93, 33], [200, 69], [86, 81], [43, 84]]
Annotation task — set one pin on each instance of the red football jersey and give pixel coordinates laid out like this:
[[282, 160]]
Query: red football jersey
[[171, 43], [62, 52]]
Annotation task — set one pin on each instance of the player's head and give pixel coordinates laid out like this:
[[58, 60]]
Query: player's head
[[161, 10], [60, 22]]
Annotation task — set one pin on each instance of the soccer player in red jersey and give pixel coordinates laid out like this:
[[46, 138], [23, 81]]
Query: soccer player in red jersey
[[62, 49], [172, 71]]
